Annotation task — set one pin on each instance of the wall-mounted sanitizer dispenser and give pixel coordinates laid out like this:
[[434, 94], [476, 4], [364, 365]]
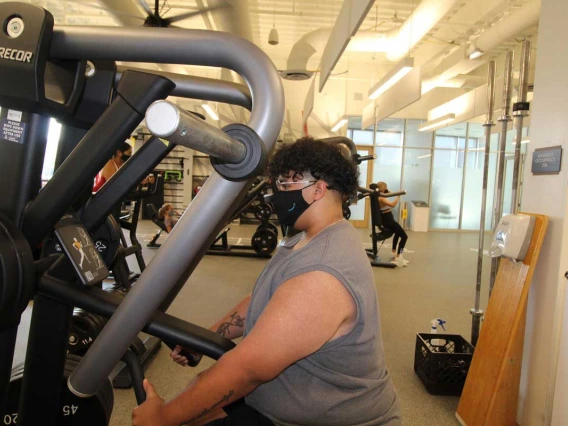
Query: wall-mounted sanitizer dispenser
[[513, 236]]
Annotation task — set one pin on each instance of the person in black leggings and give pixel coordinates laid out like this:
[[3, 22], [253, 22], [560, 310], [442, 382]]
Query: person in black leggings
[[400, 237]]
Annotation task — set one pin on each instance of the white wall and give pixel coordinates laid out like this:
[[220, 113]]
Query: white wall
[[547, 195], [560, 408]]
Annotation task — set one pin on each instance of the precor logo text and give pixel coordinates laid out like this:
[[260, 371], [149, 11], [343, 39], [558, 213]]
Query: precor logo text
[[16, 55]]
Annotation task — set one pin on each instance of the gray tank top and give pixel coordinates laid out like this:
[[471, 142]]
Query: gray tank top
[[346, 381]]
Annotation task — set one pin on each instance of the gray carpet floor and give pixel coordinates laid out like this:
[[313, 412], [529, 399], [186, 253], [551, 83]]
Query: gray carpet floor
[[439, 282]]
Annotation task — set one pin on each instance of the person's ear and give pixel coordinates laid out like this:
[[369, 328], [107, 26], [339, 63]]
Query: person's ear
[[320, 189]]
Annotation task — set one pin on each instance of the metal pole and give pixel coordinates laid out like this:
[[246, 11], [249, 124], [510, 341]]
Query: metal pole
[[504, 119], [166, 120], [520, 110], [476, 312]]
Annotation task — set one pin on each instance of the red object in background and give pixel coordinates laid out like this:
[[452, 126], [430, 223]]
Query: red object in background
[[99, 182]]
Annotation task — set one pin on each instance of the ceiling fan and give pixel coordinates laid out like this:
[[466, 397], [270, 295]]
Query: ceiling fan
[[156, 19]]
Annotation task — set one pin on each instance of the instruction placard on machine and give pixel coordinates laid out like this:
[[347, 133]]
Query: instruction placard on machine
[[80, 249], [12, 125]]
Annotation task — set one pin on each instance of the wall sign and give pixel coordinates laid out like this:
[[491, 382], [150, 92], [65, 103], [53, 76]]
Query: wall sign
[[547, 160]]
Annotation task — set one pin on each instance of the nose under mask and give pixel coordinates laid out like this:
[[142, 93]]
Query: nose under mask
[[290, 205]]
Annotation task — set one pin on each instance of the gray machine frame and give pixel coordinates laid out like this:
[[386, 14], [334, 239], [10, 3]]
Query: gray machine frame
[[189, 86], [205, 216]]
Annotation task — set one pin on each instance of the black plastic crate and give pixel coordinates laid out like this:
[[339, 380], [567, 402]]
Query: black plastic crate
[[442, 368]]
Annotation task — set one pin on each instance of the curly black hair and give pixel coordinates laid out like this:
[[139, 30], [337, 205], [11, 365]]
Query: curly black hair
[[323, 160]]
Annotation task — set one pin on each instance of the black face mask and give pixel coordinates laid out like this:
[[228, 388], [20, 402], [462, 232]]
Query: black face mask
[[290, 205], [125, 157]]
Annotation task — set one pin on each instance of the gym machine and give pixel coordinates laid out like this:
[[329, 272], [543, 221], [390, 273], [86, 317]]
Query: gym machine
[[265, 239], [46, 74], [378, 232], [110, 243], [263, 242]]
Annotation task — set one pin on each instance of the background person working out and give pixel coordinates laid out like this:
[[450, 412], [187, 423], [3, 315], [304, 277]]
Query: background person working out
[[400, 237], [312, 351], [120, 157], [168, 215]]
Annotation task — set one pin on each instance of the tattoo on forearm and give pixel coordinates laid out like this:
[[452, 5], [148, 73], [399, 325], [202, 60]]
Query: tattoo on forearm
[[221, 402], [236, 321]]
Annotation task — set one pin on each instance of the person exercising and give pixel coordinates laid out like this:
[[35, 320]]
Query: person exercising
[[312, 351], [120, 157], [400, 237], [168, 215]]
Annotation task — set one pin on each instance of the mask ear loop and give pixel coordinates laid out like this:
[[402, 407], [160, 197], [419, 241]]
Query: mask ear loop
[[312, 184]]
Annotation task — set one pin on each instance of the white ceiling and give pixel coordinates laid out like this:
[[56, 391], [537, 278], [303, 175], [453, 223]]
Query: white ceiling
[[294, 18], [355, 73]]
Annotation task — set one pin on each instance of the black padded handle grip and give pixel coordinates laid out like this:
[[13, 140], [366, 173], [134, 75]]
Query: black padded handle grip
[[193, 359]]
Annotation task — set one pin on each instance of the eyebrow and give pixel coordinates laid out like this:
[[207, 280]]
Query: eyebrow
[[295, 176]]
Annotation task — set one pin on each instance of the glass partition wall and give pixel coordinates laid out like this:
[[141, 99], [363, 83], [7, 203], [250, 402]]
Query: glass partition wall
[[443, 168]]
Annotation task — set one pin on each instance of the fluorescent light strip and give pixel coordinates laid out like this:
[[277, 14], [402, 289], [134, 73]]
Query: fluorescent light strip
[[424, 156], [393, 77], [342, 122], [437, 123], [522, 142], [210, 112], [476, 54]]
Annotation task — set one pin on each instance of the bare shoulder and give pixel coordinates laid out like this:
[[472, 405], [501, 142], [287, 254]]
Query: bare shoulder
[[319, 283], [109, 169], [322, 294]]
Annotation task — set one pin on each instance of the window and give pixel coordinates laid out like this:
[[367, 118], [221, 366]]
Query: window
[[447, 177], [387, 167], [390, 132], [444, 168], [362, 137], [51, 150], [354, 132], [473, 190], [416, 174], [417, 139]]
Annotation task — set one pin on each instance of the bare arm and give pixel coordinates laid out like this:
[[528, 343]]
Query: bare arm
[[385, 202], [304, 313], [231, 326]]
